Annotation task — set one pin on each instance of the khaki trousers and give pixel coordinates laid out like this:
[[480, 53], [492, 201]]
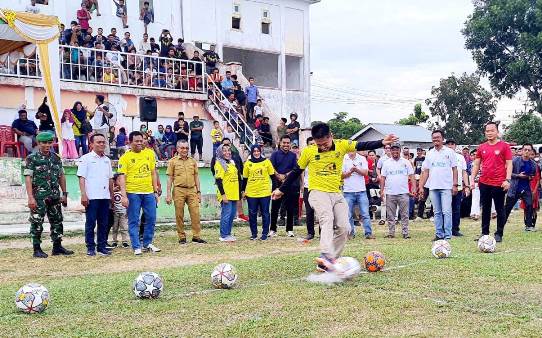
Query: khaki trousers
[[190, 197], [331, 211]]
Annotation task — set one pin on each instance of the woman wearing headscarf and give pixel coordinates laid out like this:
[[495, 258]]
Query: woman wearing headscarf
[[169, 139], [80, 117], [227, 182], [257, 173]]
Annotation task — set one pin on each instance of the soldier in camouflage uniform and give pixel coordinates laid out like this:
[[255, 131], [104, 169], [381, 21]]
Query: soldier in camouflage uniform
[[43, 176]]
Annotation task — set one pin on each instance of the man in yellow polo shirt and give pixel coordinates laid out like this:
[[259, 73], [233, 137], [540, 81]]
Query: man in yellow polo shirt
[[139, 187], [324, 161]]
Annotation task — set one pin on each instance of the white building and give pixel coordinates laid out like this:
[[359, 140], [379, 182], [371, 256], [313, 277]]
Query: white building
[[268, 38]]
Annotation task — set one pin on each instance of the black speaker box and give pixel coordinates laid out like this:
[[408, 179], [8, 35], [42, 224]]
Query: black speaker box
[[147, 109]]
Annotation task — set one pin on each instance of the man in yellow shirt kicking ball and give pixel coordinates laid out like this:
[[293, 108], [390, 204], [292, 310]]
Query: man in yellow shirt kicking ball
[[324, 161]]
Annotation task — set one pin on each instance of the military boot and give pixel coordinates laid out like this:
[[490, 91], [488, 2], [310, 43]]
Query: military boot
[[58, 249], [38, 253]]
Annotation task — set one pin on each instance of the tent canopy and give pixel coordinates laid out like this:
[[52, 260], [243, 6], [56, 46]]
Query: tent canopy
[[20, 28]]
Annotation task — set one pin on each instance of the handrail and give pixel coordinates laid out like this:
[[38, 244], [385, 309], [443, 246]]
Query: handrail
[[237, 122]]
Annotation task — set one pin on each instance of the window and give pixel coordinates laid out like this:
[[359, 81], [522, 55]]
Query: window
[[203, 45], [266, 28], [236, 8], [235, 23], [265, 14]]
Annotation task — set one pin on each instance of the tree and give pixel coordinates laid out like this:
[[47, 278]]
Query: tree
[[415, 118], [526, 128], [343, 127], [505, 38], [461, 107]]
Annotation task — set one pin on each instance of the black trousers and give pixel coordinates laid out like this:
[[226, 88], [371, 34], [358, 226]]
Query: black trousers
[[490, 193], [527, 197], [309, 212], [196, 143], [288, 201], [421, 202]]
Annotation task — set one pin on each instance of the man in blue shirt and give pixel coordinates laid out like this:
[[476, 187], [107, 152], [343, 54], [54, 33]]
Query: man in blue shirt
[[252, 94], [227, 84], [284, 161], [523, 170], [25, 129]]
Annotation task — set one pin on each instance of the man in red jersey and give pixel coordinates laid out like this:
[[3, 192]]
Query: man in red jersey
[[494, 157]]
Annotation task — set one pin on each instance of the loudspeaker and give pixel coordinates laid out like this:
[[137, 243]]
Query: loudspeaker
[[147, 109]]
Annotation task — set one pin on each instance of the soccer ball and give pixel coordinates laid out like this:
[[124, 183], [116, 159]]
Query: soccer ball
[[347, 267], [374, 261], [487, 243], [32, 298], [148, 285], [224, 276], [441, 249]]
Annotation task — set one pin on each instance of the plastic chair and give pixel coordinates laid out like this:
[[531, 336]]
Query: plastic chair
[[7, 141]]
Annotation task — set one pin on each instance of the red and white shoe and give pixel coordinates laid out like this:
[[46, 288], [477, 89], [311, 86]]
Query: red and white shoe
[[325, 264]]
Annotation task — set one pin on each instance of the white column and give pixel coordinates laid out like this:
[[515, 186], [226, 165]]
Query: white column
[[306, 68], [282, 63]]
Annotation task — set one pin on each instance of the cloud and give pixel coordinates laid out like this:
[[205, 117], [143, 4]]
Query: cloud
[[387, 49]]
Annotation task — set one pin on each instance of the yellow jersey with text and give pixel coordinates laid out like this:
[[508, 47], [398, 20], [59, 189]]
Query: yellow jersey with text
[[325, 168], [258, 178], [138, 168], [230, 181]]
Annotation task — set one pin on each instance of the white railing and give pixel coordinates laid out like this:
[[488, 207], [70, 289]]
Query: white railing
[[229, 114], [90, 65]]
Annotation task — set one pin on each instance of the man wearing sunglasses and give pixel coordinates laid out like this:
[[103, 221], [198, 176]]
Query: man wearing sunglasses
[[43, 176]]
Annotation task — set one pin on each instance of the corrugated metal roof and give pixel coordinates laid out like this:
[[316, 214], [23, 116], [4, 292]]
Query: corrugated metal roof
[[405, 133]]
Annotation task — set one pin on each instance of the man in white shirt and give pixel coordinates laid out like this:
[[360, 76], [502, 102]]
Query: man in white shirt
[[386, 156], [396, 172], [463, 189], [144, 45], [96, 184], [355, 167], [100, 119], [439, 174]]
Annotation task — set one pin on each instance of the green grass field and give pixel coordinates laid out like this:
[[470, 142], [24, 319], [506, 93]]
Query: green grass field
[[468, 294]]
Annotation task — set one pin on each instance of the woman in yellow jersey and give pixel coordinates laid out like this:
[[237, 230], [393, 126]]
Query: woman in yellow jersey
[[257, 174], [227, 182]]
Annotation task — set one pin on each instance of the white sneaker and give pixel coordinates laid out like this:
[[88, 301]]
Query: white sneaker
[[137, 252], [223, 239], [272, 234], [291, 234], [232, 238], [418, 219], [152, 248]]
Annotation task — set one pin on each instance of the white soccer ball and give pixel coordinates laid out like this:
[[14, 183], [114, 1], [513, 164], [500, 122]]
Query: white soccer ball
[[441, 249], [32, 298], [487, 243], [224, 276], [347, 267], [148, 285]]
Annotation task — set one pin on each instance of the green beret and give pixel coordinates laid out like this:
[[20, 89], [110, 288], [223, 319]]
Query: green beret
[[45, 136]]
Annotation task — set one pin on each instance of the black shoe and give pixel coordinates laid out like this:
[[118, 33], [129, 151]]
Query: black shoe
[[38, 253], [182, 241], [406, 236], [437, 239], [199, 240], [58, 249], [498, 238], [104, 252], [125, 245], [91, 252], [457, 234], [110, 246], [309, 237]]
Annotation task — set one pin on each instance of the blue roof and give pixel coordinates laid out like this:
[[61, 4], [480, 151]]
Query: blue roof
[[405, 133]]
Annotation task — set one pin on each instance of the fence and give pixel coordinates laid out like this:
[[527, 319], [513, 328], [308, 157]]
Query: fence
[[90, 65]]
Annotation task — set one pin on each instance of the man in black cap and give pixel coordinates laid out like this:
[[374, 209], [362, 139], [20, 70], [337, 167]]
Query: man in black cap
[[43, 175]]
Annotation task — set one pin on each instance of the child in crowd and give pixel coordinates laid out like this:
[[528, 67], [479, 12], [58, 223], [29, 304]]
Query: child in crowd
[[229, 133], [120, 218], [122, 12], [146, 15], [216, 135], [68, 137], [258, 109]]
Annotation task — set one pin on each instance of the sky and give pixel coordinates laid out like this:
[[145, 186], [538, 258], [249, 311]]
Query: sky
[[376, 59]]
